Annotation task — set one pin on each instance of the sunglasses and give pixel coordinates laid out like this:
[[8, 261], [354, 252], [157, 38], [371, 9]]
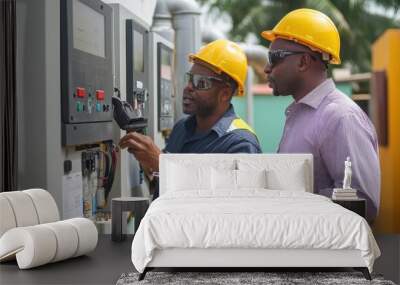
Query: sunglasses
[[276, 56], [201, 82]]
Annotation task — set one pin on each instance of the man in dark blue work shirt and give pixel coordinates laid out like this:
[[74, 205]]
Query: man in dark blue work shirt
[[226, 136], [218, 72]]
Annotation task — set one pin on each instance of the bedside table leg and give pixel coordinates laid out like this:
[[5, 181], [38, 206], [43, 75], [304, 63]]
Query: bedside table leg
[[116, 221], [139, 213]]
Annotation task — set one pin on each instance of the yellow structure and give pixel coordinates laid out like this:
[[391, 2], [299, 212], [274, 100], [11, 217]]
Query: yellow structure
[[386, 56]]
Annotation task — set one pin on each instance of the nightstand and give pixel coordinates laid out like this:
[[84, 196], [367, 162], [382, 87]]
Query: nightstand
[[137, 205], [358, 206]]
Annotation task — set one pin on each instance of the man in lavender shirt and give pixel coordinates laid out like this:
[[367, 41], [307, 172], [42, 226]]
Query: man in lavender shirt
[[323, 121]]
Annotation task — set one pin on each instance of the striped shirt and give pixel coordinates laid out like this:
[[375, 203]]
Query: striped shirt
[[329, 125]]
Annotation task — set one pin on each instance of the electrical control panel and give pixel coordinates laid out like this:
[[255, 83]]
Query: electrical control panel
[[86, 71], [165, 88], [137, 64], [98, 168]]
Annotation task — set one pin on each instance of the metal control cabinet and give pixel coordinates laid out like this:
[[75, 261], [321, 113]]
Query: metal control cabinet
[[165, 88], [86, 71], [45, 94], [137, 64], [128, 180], [161, 87]]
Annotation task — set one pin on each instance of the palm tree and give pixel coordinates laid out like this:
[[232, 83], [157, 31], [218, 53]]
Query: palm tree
[[357, 20]]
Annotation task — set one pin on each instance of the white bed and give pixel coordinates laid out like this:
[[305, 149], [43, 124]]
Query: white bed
[[219, 210]]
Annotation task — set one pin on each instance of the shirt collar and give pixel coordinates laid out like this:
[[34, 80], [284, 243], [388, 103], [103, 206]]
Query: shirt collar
[[219, 127], [224, 122], [315, 97]]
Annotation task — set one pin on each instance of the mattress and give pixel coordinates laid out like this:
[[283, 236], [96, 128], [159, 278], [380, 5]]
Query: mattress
[[250, 219]]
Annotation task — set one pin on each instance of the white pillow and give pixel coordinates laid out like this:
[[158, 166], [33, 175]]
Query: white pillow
[[231, 180], [251, 178], [292, 179], [223, 179], [183, 177], [281, 174]]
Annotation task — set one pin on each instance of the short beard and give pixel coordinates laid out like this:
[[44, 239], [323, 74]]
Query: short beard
[[203, 111], [187, 113], [276, 92], [206, 111]]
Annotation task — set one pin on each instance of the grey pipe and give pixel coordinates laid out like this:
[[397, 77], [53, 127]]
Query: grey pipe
[[250, 98], [257, 57], [209, 34], [185, 15], [162, 21]]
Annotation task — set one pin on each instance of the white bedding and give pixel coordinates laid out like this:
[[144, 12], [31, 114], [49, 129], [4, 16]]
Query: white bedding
[[252, 218]]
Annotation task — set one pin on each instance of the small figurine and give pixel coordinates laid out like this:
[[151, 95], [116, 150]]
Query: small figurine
[[346, 192], [347, 174]]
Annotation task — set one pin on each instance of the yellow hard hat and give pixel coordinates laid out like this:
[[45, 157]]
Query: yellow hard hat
[[224, 56], [310, 28]]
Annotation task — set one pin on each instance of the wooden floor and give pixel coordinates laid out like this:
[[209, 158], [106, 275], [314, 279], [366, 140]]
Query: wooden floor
[[111, 259]]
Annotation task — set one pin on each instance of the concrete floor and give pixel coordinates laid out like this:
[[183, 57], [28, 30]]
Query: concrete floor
[[389, 263], [110, 260], [102, 266]]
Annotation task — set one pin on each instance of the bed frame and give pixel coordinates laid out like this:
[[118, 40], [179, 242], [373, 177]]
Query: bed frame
[[245, 258]]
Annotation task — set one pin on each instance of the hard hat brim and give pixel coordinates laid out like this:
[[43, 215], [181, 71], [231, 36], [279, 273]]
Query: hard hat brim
[[268, 35]]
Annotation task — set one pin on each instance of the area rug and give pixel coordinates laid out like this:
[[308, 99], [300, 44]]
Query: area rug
[[229, 278]]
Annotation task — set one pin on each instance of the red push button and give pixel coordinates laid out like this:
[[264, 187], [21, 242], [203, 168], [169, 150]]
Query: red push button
[[100, 95], [80, 92]]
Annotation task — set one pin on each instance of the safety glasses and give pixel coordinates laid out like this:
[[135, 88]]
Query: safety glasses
[[276, 56], [201, 82]]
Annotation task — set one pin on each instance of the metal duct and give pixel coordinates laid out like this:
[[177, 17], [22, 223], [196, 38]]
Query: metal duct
[[257, 57], [186, 23], [162, 21], [208, 34]]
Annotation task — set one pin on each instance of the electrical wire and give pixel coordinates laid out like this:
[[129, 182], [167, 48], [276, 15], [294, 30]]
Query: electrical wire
[[107, 166], [113, 165], [110, 168]]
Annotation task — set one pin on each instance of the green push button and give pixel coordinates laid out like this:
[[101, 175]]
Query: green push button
[[79, 106], [98, 107]]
